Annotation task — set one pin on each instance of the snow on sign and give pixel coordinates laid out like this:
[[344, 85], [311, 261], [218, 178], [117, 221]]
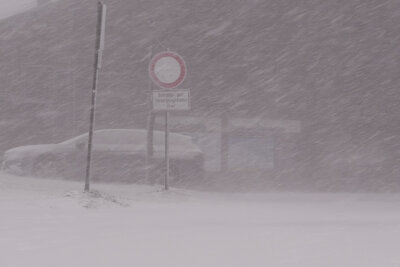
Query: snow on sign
[[167, 69], [171, 100]]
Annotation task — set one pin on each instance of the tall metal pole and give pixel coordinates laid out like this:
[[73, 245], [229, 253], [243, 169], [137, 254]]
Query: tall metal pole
[[150, 147], [101, 15], [150, 128], [166, 180]]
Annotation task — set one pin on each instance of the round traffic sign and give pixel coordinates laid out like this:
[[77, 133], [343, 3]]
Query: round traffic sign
[[167, 69]]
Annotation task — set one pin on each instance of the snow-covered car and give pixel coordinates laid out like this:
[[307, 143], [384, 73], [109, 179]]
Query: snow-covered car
[[118, 155]]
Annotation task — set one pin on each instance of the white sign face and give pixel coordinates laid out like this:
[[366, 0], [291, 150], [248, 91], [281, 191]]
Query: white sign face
[[167, 69], [171, 100]]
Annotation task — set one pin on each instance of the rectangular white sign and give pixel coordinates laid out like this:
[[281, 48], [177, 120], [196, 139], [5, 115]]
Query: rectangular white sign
[[170, 100]]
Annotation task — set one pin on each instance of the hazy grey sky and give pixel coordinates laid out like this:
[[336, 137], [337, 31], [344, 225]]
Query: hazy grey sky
[[11, 7]]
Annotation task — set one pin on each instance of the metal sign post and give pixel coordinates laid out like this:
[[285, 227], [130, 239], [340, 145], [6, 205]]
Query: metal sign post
[[166, 180], [101, 20], [168, 70]]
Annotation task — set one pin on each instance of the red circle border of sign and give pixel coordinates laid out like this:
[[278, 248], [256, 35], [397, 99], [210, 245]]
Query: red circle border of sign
[[181, 63]]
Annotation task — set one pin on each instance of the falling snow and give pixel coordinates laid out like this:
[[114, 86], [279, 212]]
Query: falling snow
[[298, 97]]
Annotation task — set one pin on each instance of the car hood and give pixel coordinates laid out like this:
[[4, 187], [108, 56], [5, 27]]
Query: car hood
[[28, 151]]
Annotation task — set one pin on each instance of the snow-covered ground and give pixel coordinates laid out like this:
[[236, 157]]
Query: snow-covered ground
[[52, 223]]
